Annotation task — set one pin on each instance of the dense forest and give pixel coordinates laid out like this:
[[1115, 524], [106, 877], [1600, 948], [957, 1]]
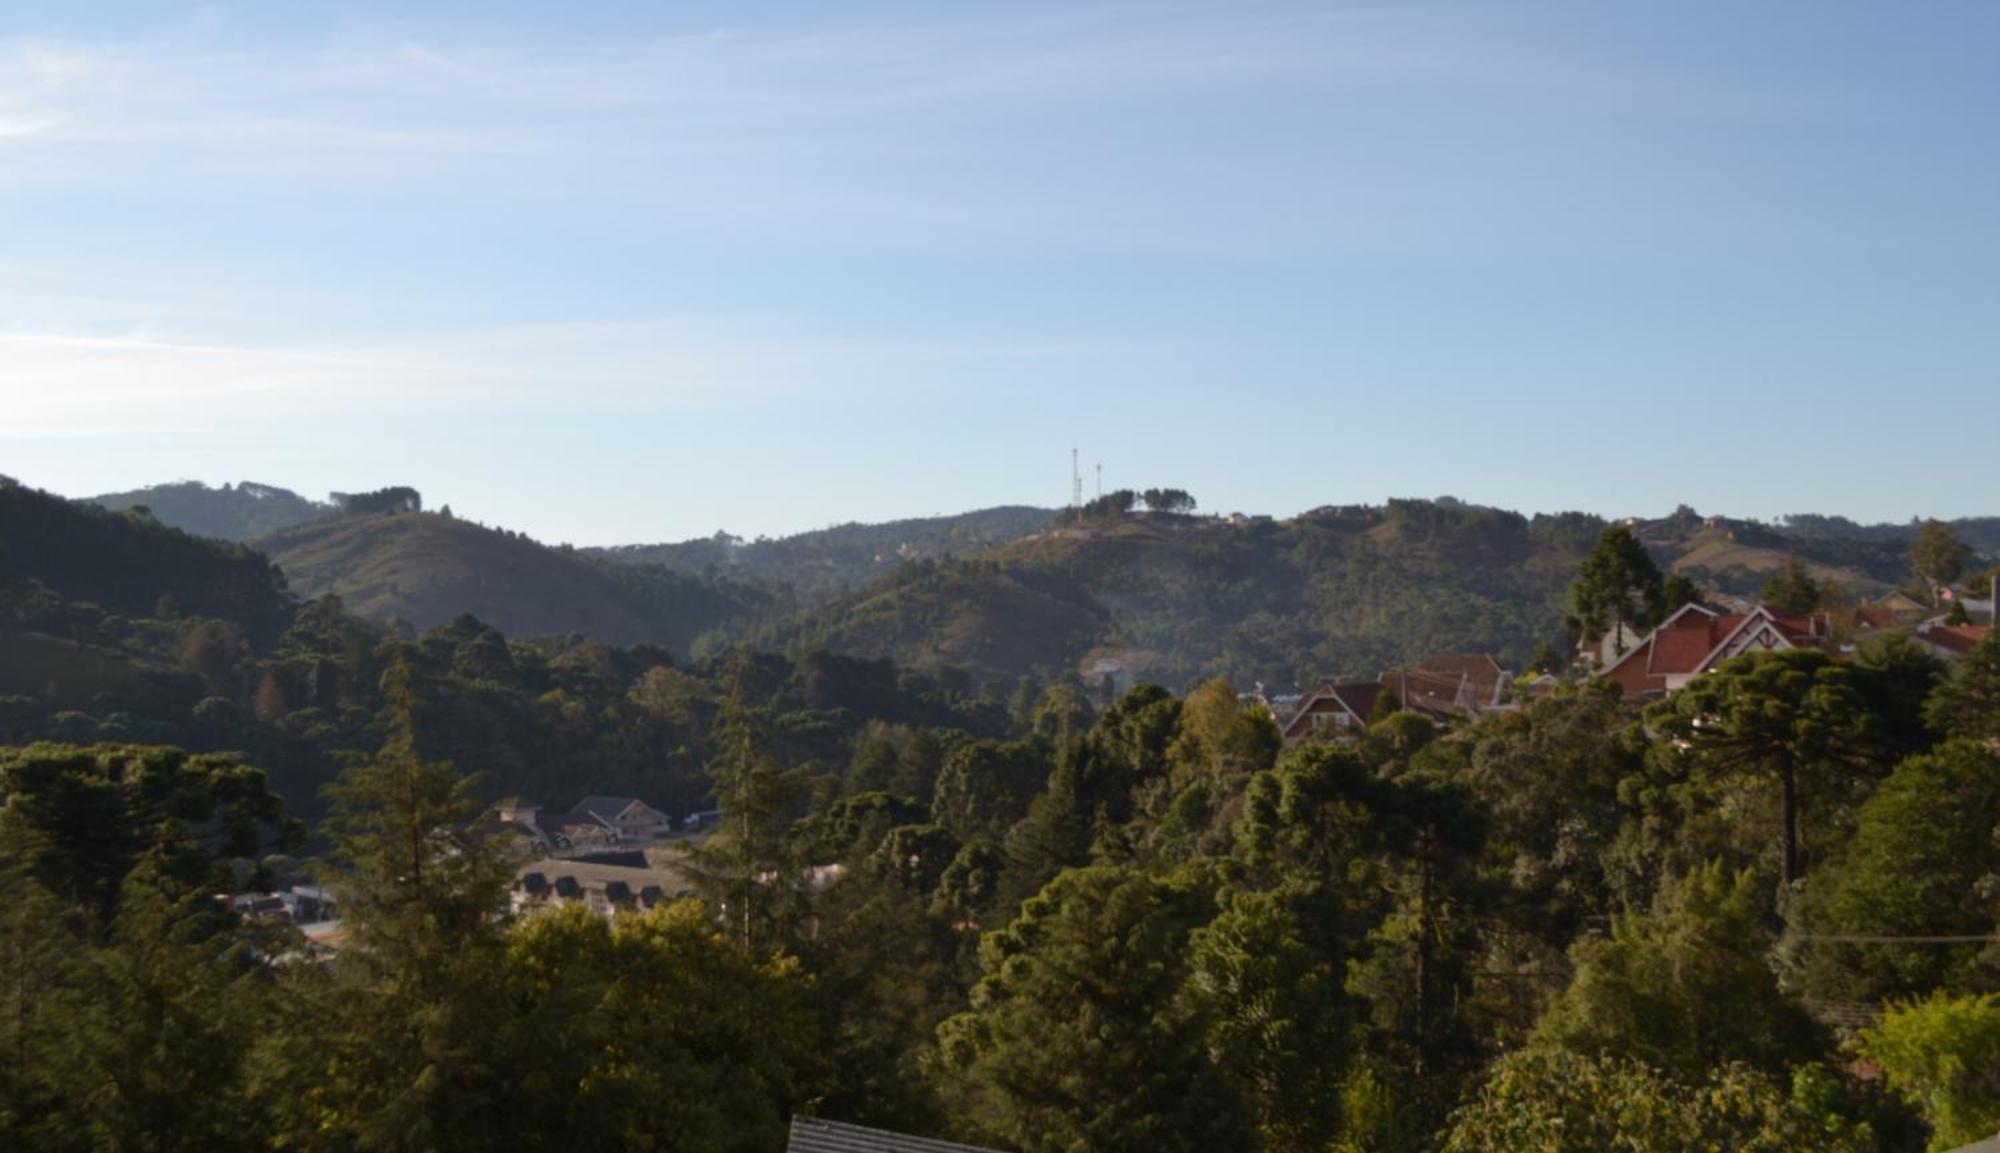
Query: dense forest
[[1760, 914], [1133, 584]]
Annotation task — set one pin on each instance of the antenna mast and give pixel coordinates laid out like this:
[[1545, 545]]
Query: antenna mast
[[1100, 480], [1075, 484]]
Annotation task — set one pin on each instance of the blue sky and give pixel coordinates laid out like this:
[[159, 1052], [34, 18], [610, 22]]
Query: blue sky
[[644, 271]]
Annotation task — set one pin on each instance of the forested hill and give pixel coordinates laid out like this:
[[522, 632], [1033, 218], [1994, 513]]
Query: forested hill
[[237, 512], [830, 560], [428, 568], [131, 565], [1336, 592]]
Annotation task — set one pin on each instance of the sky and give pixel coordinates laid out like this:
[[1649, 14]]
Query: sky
[[613, 273]]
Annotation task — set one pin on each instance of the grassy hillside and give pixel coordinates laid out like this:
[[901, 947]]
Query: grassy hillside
[[820, 563], [235, 512], [427, 568], [1337, 592]]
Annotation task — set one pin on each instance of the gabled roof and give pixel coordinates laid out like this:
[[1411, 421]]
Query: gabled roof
[[812, 1135], [1485, 673], [605, 808], [1696, 637], [1955, 639], [1356, 698]]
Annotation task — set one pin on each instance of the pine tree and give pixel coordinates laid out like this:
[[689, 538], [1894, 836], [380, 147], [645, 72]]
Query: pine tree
[[748, 869], [406, 1048], [1967, 704]]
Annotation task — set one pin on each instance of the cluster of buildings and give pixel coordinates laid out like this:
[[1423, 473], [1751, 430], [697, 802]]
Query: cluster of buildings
[[1695, 639], [1442, 688], [593, 824]]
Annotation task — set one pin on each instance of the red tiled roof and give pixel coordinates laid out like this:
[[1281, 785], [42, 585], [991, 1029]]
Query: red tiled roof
[[1481, 669], [1956, 638], [1679, 648]]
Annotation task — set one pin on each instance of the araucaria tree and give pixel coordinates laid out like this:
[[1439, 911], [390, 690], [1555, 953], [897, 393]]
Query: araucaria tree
[[1617, 584], [1793, 717]]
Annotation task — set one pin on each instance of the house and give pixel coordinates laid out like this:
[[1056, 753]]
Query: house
[[1950, 642], [813, 1135], [1697, 638], [630, 818], [574, 832], [1333, 710], [1901, 607], [1450, 687]]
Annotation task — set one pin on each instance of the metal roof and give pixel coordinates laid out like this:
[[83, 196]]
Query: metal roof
[[812, 1135]]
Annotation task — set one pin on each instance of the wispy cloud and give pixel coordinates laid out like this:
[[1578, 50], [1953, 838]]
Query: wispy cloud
[[66, 384]]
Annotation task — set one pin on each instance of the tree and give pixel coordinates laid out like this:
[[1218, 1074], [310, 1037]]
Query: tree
[[1387, 704], [405, 1048], [397, 498], [1678, 590], [1268, 973], [1077, 1036], [1686, 986], [654, 1030], [748, 867], [1616, 584], [985, 786], [1793, 716], [1919, 864], [1545, 658], [91, 812], [1943, 1055], [1937, 555], [1792, 588], [1557, 1102], [1967, 703], [1168, 500]]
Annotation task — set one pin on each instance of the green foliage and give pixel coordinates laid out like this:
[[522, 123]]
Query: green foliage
[[1924, 861], [1556, 1102], [653, 1031], [1793, 717], [1076, 1036], [89, 814], [394, 499], [1336, 592], [1268, 974], [125, 563], [1617, 584], [405, 1047], [1686, 986], [1793, 589], [827, 561], [428, 569], [1937, 554], [1967, 704], [1943, 1054]]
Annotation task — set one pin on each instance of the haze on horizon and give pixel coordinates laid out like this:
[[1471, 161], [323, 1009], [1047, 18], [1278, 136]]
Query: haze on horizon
[[620, 276]]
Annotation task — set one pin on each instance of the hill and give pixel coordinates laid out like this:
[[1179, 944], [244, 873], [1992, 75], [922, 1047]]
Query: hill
[[234, 512], [129, 564], [1336, 592], [428, 568], [826, 561]]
